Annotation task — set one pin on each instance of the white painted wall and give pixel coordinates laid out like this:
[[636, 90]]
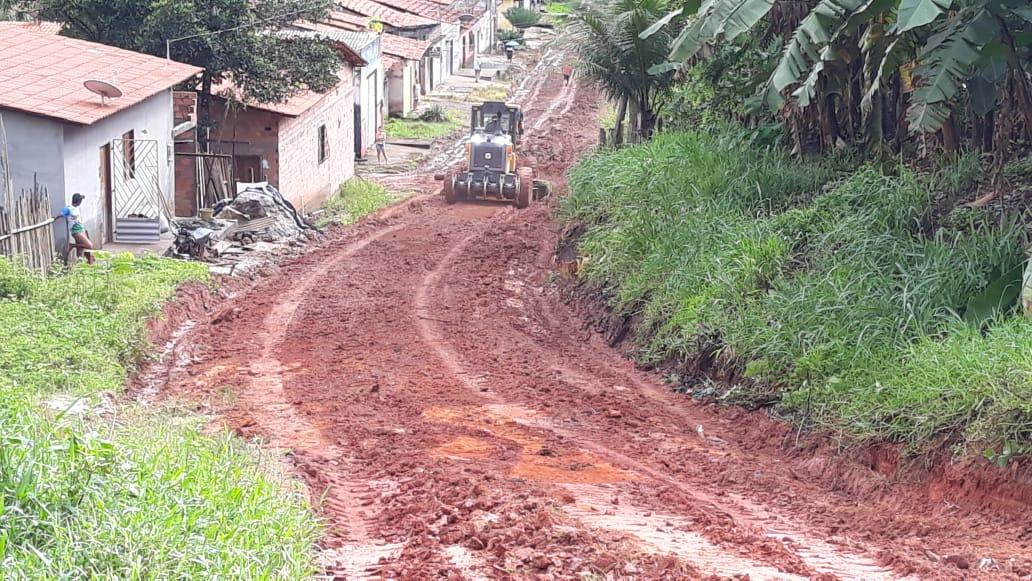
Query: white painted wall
[[35, 145], [150, 119], [66, 157]]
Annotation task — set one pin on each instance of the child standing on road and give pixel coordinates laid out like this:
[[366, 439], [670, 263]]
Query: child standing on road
[[381, 145], [567, 73]]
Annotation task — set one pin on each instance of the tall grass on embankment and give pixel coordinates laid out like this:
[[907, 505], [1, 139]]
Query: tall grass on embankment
[[94, 489], [830, 291]]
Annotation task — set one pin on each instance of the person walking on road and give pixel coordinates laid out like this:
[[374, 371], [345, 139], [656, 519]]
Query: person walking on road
[[381, 146], [73, 216], [567, 73]]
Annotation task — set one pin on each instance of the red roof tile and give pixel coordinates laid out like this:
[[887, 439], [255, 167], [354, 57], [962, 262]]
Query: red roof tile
[[400, 46], [348, 20], [292, 107], [43, 74], [37, 26], [385, 14], [426, 8]]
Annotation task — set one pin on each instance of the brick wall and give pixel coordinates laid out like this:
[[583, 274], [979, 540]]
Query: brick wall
[[304, 180], [247, 133], [186, 176], [184, 106]]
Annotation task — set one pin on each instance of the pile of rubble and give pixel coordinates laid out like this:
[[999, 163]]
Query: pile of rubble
[[257, 217]]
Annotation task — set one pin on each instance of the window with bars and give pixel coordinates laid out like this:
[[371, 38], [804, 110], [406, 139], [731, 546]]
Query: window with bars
[[129, 154]]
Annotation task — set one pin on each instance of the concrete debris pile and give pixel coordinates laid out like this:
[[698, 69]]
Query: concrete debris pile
[[258, 219], [262, 213]]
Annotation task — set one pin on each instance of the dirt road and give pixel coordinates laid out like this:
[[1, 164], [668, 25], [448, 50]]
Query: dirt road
[[453, 418]]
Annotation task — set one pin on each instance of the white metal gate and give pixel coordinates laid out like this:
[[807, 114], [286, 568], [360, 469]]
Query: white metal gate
[[136, 190]]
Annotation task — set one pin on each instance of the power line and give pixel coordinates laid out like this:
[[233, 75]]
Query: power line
[[168, 43]]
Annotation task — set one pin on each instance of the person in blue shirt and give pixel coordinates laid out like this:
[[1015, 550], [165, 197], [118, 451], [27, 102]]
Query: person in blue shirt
[[71, 213]]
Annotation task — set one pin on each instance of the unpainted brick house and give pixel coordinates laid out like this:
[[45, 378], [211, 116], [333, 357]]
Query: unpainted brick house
[[304, 147]]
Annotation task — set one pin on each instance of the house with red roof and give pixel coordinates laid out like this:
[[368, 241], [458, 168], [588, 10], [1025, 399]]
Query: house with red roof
[[82, 117], [402, 64], [305, 146]]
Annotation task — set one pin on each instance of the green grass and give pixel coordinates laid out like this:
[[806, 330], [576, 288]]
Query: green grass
[[823, 285], [94, 489], [488, 92], [412, 128], [559, 8], [357, 198]]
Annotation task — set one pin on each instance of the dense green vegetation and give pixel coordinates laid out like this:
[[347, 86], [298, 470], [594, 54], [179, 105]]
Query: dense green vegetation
[[522, 17], [831, 290], [797, 233], [91, 488], [357, 198]]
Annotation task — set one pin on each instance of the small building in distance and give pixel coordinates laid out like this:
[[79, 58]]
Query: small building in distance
[[116, 150]]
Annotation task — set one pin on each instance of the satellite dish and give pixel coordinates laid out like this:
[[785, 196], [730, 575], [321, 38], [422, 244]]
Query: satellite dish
[[105, 89]]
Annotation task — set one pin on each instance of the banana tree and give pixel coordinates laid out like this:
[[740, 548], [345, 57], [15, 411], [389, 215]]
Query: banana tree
[[902, 64]]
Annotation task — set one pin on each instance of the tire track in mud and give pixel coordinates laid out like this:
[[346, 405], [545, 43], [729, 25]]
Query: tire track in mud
[[356, 550], [593, 505], [822, 559]]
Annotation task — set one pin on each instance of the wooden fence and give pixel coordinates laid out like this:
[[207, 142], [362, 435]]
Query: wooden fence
[[26, 231]]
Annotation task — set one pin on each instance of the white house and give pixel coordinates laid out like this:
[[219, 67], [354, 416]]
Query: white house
[[370, 87], [116, 150]]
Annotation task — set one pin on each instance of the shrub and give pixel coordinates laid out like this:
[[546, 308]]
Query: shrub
[[522, 17], [504, 35], [434, 114]]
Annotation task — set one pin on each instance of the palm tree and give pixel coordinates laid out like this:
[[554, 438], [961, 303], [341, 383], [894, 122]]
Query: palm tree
[[614, 54]]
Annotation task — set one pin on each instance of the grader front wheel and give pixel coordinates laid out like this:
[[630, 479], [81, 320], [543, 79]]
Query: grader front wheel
[[450, 196], [525, 195]]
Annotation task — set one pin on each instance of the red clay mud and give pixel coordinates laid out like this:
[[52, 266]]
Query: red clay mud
[[455, 419]]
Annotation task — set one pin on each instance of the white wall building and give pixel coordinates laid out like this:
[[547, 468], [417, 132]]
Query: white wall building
[[118, 153]]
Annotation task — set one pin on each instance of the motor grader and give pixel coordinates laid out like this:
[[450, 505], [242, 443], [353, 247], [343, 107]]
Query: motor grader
[[491, 168]]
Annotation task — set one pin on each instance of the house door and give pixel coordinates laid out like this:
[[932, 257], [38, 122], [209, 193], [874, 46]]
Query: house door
[[248, 168], [106, 203]]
